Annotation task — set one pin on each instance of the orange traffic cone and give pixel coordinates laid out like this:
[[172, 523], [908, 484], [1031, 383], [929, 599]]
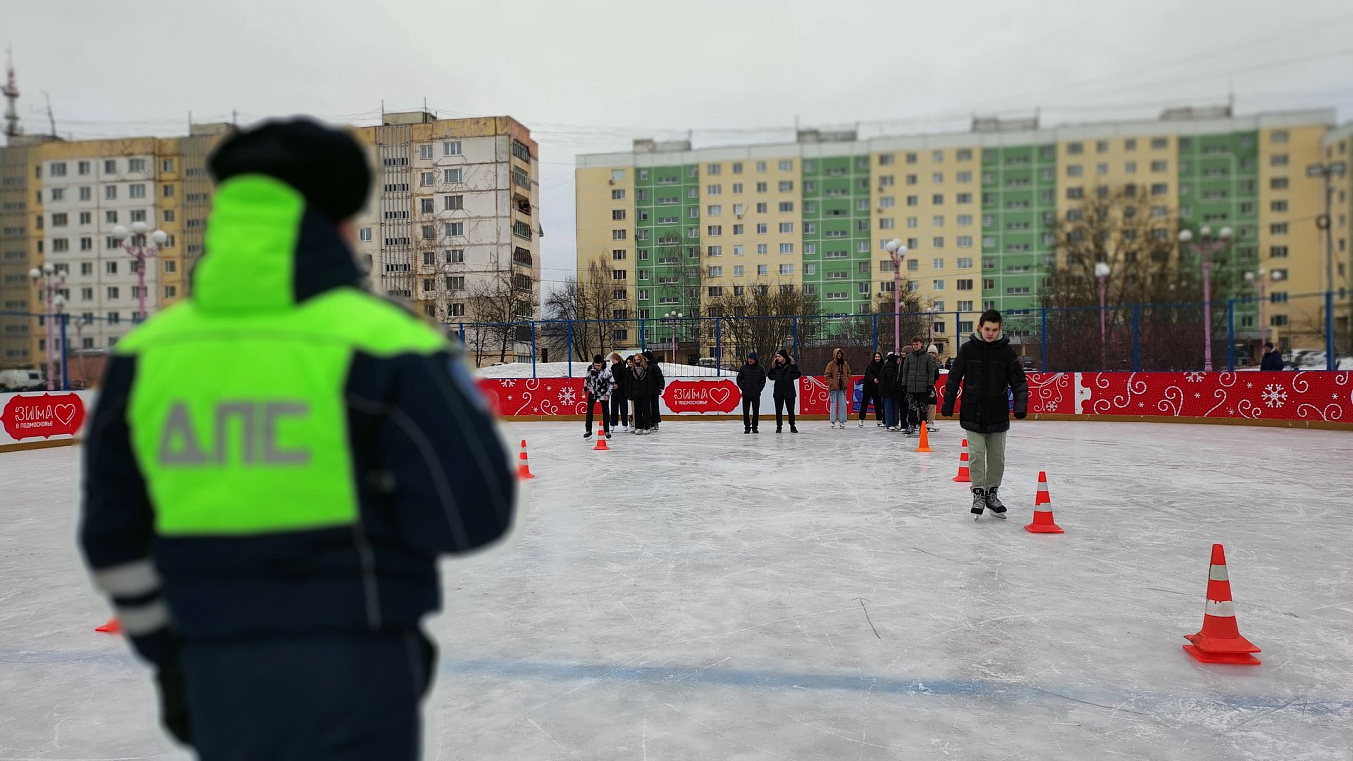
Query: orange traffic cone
[[601, 443], [1220, 640], [1043, 510], [924, 445], [963, 477], [112, 627], [523, 468]]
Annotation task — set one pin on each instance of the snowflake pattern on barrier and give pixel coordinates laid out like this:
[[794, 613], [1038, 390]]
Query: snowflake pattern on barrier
[[1195, 377], [1274, 396], [566, 396]]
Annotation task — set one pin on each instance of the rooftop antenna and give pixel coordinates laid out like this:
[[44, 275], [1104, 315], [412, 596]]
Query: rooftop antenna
[[1230, 96], [51, 120], [234, 117], [11, 93]]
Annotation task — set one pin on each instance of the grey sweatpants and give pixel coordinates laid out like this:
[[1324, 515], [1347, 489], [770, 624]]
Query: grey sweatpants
[[986, 453]]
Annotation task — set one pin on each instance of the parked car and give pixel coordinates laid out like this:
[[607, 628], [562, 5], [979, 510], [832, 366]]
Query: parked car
[[22, 380], [1027, 363]]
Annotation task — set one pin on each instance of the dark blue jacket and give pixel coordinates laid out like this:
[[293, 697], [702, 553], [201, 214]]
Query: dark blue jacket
[[1272, 361]]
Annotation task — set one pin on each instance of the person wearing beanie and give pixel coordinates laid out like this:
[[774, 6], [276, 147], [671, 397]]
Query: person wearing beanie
[[934, 399], [751, 380], [1272, 361], [598, 384], [786, 375], [282, 441]]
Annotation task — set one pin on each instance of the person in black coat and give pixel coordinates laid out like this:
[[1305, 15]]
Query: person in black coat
[[641, 387], [620, 393], [751, 380], [1273, 360], [786, 375], [988, 369], [890, 381], [659, 383], [869, 390]]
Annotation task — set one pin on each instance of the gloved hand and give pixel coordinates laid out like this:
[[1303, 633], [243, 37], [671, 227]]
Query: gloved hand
[[1021, 415], [174, 702]]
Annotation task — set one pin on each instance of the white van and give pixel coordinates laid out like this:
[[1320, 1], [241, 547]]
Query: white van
[[22, 380]]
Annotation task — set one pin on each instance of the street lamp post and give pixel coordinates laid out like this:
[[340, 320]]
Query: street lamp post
[[1328, 172], [671, 319], [134, 243], [79, 338], [1206, 247], [898, 252], [1260, 280], [1102, 271], [49, 286]]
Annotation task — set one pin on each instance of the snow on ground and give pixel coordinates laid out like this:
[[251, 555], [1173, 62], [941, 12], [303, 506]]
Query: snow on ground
[[704, 594]]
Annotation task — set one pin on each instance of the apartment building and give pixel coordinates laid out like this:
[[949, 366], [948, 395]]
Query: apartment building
[[455, 202], [976, 209]]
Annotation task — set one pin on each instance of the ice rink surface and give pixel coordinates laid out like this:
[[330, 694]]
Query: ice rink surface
[[704, 594]]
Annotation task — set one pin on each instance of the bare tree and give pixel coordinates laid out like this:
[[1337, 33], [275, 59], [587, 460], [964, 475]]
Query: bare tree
[[501, 303], [760, 317], [1152, 295], [582, 312]]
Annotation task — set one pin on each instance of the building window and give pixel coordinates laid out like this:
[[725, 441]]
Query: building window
[[1277, 159], [619, 234], [1279, 228], [427, 178]]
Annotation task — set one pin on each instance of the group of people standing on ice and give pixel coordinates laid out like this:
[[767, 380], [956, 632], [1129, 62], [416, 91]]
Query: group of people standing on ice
[[625, 388], [986, 373]]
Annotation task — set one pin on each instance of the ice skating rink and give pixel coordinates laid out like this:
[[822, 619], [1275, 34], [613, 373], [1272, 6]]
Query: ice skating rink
[[703, 594]]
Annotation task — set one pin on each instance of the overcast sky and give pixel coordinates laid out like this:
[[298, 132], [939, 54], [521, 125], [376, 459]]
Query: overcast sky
[[590, 75]]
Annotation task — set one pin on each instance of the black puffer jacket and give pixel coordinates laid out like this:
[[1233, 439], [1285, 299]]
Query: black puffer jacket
[[786, 379], [655, 375], [871, 373], [986, 370], [751, 379], [620, 373], [890, 378]]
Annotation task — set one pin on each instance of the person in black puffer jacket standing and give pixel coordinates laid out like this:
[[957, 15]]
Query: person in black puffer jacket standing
[[658, 383], [620, 393], [751, 380], [986, 366], [785, 373], [869, 390], [889, 381]]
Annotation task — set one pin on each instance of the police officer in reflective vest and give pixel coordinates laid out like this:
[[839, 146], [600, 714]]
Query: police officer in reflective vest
[[275, 465]]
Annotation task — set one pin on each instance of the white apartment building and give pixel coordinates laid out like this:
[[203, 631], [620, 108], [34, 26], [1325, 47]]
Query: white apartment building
[[455, 203], [82, 200]]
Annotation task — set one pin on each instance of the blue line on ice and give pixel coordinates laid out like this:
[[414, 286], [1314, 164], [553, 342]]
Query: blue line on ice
[[772, 680]]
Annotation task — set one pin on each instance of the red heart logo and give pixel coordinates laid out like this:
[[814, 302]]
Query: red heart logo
[[719, 394]]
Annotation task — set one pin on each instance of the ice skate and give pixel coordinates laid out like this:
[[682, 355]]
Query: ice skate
[[861, 423], [624, 429], [994, 503], [587, 435], [608, 434], [792, 429], [979, 502]]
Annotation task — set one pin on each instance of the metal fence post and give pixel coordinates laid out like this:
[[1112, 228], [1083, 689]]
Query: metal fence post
[[1231, 335], [876, 333], [533, 349], [796, 338], [718, 345], [65, 354], [1330, 359], [461, 332], [1136, 337], [643, 338], [568, 339], [1043, 342]]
